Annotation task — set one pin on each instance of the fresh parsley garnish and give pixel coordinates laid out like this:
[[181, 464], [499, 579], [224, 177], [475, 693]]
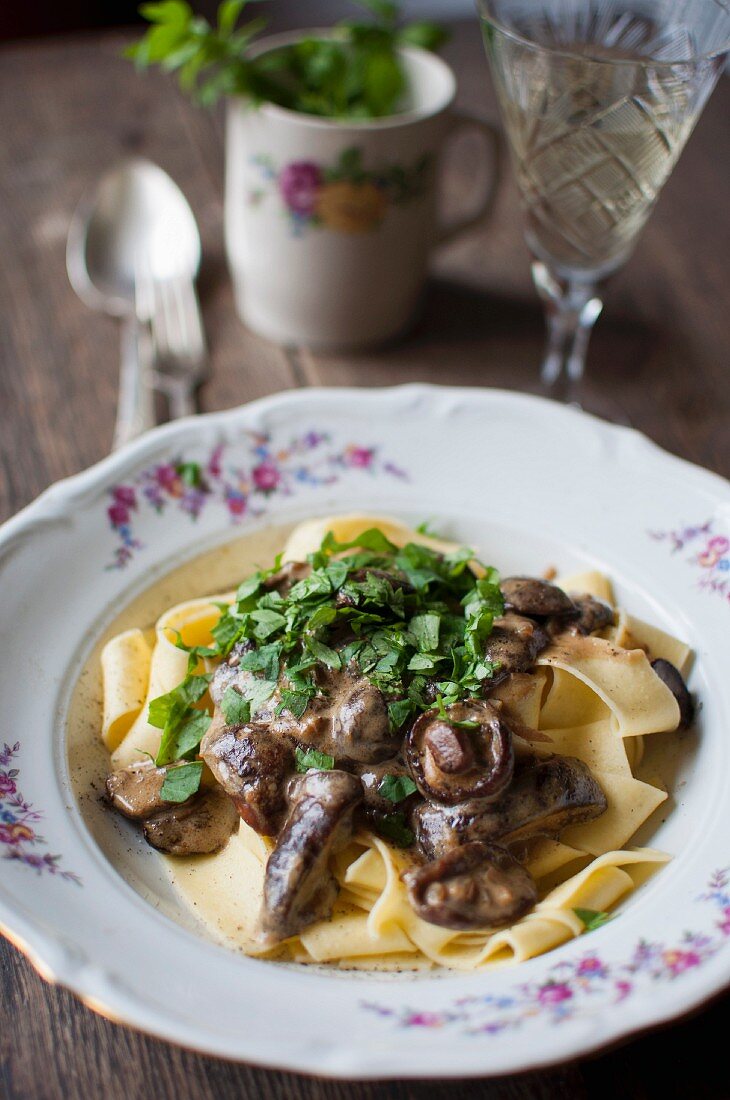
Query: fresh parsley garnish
[[410, 619], [356, 72], [395, 788], [181, 782], [236, 709], [312, 758], [592, 918], [394, 827]]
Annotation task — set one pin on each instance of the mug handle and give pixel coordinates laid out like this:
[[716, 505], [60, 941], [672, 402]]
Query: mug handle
[[492, 137]]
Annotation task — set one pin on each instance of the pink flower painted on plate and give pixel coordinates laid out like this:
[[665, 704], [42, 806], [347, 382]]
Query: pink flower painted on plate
[[590, 966], [190, 485], [125, 495], [554, 993], [118, 515], [266, 477], [168, 478], [424, 1019], [678, 961], [299, 184], [360, 457], [236, 503], [7, 784]]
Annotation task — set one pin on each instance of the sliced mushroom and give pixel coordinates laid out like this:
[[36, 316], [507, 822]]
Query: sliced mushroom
[[348, 720], [530, 596], [674, 680], [473, 887], [252, 765], [200, 826], [298, 886], [452, 763], [591, 614], [514, 645], [136, 791], [546, 796]]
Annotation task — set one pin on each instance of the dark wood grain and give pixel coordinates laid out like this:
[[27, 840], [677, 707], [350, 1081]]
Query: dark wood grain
[[70, 109]]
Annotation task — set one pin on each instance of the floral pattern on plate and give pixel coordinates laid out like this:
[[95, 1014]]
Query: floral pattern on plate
[[18, 819], [241, 488], [710, 554], [575, 987], [346, 197]]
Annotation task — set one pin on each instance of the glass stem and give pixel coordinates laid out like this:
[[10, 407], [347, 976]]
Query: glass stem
[[572, 307]]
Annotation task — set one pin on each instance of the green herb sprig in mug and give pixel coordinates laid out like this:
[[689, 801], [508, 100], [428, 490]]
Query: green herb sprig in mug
[[355, 73]]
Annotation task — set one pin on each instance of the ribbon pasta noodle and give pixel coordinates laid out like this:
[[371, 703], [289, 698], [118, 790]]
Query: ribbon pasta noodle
[[595, 698]]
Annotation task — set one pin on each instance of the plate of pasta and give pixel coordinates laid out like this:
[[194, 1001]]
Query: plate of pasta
[[373, 733]]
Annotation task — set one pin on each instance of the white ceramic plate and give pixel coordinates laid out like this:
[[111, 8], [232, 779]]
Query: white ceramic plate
[[530, 483]]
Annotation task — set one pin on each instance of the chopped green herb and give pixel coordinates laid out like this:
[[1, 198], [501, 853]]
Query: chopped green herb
[[165, 707], [425, 629], [394, 827], [181, 782], [592, 918], [312, 758], [236, 709], [184, 737], [396, 787], [399, 712]]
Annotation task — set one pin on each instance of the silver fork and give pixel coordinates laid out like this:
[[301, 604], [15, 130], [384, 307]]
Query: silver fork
[[180, 350]]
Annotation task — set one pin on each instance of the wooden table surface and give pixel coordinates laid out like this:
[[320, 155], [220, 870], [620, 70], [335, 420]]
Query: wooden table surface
[[68, 110]]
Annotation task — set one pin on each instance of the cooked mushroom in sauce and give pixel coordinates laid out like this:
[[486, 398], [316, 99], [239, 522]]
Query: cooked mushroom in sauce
[[350, 695], [299, 887], [472, 887]]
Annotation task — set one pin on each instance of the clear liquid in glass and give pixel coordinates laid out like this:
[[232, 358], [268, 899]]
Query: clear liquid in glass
[[595, 130]]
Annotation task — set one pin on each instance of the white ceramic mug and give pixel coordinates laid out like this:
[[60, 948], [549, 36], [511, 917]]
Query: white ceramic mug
[[329, 224]]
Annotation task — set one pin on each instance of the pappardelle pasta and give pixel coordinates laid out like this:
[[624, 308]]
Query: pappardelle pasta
[[378, 754]]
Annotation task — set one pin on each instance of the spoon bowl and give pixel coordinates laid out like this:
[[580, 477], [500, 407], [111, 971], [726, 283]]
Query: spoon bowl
[[136, 221], [133, 230]]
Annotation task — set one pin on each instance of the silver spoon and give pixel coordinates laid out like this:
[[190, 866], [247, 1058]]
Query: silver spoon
[[133, 228]]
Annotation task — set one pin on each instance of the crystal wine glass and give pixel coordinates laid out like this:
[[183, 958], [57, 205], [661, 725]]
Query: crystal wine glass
[[598, 99]]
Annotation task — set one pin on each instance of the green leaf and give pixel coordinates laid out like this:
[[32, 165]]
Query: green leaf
[[172, 12], [425, 628], [236, 710], [396, 787], [228, 15], [164, 707], [267, 623], [264, 659], [399, 712], [592, 918], [259, 692], [190, 472], [427, 36], [311, 758], [323, 653], [372, 539], [394, 827], [181, 782], [184, 738]]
